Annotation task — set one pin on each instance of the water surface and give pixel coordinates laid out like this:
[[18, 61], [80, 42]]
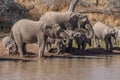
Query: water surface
[[90, 68]]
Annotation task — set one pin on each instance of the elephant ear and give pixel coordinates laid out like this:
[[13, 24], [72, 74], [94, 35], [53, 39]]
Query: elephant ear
[[73, 21], [45, 27], [56, 29], [83, 18], [73, 17]]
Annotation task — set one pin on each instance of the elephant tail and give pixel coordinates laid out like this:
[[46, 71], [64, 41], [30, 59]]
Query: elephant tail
[[11, 35]]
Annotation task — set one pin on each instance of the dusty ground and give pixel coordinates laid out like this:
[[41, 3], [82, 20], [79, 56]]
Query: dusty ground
[[33, 50]]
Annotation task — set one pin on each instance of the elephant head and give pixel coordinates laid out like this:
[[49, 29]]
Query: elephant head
[[79, 21], [56, 32], [112, 32]]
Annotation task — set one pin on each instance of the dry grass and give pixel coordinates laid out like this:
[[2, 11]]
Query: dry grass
[[62, 5], [32, 48]]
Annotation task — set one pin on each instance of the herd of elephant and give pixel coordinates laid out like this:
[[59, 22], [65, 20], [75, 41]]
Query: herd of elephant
[[60, 29]]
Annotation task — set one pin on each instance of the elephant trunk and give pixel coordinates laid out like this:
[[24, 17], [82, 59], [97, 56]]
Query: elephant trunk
[[89, 31], [65, 41], [65, 38], [77, 34]]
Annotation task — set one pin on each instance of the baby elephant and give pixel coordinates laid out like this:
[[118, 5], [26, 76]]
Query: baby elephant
[[82, 41], [59, 44], [9, 44]]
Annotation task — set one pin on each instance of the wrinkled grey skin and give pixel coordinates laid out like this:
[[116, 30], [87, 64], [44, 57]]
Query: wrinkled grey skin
[[118, 36], [116, 40], [59, 43], [105, 33], [27, 31], [82, 41], [69, 20], [9, 45], [80, 38]]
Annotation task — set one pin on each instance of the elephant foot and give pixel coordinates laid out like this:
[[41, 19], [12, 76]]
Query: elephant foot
[[69, 50], [7, 53], [57, 52], [97, 46], [21, 55], [109, 50], [40, 55], [82, 50]]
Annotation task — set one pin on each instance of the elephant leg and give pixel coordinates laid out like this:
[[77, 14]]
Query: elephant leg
[[94, 39], [111, 46], [83, 46], [58, 48], [118, 41], [63, 49], [20, 49], [19, 45], [106, 43], [42, 43], [24, 48], [48, 46], [96, 42], [79, 47], [69, 49], [8, 51]]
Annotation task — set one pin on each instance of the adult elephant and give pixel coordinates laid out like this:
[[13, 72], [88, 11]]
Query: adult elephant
[[27, 31], [69, 20], [105, 33]]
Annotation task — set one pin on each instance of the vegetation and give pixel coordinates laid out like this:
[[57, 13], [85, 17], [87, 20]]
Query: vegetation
[[106, 11]]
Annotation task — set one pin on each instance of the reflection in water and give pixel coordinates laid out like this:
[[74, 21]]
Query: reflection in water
[[106, 68]]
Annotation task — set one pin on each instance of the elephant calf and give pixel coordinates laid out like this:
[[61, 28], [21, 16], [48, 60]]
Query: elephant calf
[[9, 44], [118, 36], [82, 41], [116, 40], [105, 33], [59, 44]]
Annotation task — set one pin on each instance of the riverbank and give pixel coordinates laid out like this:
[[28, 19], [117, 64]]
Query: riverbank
[[32, 50]]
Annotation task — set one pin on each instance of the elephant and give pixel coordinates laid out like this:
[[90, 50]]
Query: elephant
[[59, 43], [82, 41], [27, 31], [105, 33], [117, 36], [61, 47], [69, 21], [9, 45]]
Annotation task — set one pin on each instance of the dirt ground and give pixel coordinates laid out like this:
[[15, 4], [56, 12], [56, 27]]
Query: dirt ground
[[32, 50]]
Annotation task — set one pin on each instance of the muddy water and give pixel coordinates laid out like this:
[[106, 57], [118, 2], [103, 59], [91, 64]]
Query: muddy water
[[90, 68]]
